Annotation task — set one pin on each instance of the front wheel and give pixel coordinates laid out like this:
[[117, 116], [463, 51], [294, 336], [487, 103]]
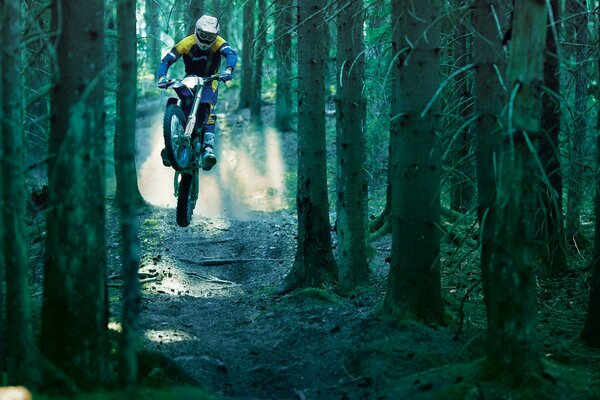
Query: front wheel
[[186, 200], [177, 144]]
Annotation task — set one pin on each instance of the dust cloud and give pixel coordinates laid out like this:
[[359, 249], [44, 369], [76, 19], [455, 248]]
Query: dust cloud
[[249, 175]]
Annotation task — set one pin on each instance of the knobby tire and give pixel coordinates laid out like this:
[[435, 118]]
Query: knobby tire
[[185, 205], [174, 110]]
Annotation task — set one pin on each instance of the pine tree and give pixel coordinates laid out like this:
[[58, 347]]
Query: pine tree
[[577, 33], [314, 263], [490, 61], [414, 285], [129, 194], [353, 268], [22, 365], [74, 310], [549, 218], [246, 92], [283, 58], [512, 351], [258, 58]]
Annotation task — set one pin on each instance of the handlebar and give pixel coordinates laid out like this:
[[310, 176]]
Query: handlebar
[[206, 79]]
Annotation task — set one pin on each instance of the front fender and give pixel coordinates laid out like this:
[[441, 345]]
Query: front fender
[[172, 100]]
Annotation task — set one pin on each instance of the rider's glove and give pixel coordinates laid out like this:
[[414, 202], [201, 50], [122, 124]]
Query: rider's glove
[[228, 75], [162, 82]]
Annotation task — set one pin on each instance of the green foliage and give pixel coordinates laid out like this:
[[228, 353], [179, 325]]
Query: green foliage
[[174, 393], [313, 294]]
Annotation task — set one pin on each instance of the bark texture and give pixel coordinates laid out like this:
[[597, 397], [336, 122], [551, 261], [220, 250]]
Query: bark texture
[[283, 57], [462, 176], [414, 280], [246, 92], [75, 313], [259, 58], [591, 329], [577, 33], [129, 194], [352, 186], [314, 263], [512, 351], [153, 43], [195, 9], [2, 263], [549, 220], [22, 365], [490, 98]]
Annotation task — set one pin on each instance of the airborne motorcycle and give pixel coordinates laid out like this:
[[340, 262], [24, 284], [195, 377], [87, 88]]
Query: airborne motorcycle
[[183, 142]]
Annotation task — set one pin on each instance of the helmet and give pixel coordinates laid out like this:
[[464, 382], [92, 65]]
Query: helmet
[[207, 29]]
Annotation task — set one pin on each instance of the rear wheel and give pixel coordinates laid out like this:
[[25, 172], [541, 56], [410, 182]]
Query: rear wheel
[[177, 144], [185, 200]]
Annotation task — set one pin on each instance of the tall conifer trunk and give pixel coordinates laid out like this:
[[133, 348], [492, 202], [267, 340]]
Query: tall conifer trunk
[[591, 329], [258, 58], [577, 33], [512, 351], [352, 187], [314, 263], [246, 92], [22, 365], [2, 263], [551, 234], [75, 314], [129, 194], [414, 281], [462, 193], [490, 98], [283, 57], [194, 11], [153, 44]]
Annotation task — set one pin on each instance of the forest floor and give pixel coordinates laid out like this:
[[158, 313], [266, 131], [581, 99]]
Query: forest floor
[[210, 308]]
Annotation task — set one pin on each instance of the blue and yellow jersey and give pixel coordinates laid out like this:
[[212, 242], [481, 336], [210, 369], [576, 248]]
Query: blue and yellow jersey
[[199, 62]]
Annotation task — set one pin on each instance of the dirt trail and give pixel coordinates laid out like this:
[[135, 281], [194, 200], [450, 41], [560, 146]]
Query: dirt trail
[[208, 302]]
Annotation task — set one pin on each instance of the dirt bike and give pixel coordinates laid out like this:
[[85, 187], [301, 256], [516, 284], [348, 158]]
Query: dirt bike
[[183, 141]]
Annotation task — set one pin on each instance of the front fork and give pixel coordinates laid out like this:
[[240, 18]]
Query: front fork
[[189, 128]]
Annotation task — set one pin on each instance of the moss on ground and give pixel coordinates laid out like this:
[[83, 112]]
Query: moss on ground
[[174, 393]]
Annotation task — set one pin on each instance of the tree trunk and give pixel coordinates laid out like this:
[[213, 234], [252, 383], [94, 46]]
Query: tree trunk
[[462, 174], [576, 11], [591, 329], [74, 313], [222, 10], [283, 58], [490, 62], [414, 279], [195, 10], [314, 263], [153, 43], [36, 102], [21, 353], [549, 221], [129, 194], [2, 262], [259, 57], [246, 92], [512, 351], [352, 186]]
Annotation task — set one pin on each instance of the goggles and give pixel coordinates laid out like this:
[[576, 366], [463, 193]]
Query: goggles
[[206, 37]]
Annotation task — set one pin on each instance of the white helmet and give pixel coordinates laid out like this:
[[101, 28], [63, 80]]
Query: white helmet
[[207, 29]]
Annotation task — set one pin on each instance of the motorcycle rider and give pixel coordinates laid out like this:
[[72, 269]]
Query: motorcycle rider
[[201, 52]]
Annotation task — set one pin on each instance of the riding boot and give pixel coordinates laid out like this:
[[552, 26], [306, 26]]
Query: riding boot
[[165, 158], [208, 157]]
